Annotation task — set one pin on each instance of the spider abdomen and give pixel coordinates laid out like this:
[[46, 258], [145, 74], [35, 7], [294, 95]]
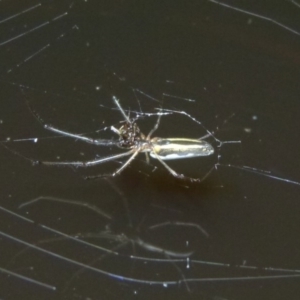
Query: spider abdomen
[[179, 148]]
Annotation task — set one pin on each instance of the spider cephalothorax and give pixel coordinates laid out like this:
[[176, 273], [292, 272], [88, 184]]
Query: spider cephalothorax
[[130, 135]]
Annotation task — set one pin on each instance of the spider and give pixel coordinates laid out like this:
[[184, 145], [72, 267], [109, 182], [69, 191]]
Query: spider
[[134, 141]]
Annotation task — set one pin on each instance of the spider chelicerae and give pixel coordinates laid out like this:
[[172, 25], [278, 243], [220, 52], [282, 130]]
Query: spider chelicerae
[[134, 141]]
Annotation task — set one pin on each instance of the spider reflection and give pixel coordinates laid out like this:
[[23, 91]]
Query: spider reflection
[[127, 255], [109, 247]]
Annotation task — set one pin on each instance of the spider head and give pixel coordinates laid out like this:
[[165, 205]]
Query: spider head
[[130, 134]]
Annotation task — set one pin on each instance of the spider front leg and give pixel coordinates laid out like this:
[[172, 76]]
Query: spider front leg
[[154, 128], [80, 137], [67, 201], [88, 163], [69, 134]]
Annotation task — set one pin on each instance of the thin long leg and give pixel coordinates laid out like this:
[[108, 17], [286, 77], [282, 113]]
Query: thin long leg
[[181, 176], [150, 134], [87, 163], [212, 133], [193, 119], [164, 111], [121, 109], [209, 133], [68, 134], [183, 224], [155, 127], [126, 164], [82, 138]]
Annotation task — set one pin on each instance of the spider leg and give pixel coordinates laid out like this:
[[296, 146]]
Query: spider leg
[[155, 127], [209, 133], [147, 158], [131, 158], [182, 176], [88, 163], [116, 100], [182, 224], [118, 171], [67, 201], [80, 137], [69, 134]]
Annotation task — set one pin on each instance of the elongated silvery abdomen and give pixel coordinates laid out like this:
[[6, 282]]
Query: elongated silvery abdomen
[[179, 148]]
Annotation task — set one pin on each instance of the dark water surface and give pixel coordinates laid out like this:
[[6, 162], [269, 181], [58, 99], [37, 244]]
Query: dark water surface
[[234, 66]]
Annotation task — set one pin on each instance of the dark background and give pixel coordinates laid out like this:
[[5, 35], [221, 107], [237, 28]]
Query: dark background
[[241, 70]]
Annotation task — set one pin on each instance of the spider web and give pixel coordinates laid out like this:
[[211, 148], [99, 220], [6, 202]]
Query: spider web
[[231, 66]]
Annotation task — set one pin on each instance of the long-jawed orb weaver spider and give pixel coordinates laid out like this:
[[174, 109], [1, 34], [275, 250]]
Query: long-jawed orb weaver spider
[[132, 139]]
